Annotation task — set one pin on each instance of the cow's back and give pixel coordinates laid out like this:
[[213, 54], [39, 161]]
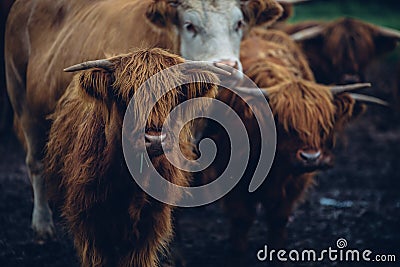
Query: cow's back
[[57, 34]]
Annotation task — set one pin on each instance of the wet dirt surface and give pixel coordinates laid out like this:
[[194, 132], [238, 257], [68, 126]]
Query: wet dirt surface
[[358, 200]]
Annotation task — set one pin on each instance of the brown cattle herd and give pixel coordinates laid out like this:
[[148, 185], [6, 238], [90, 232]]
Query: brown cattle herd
[[71, 124]]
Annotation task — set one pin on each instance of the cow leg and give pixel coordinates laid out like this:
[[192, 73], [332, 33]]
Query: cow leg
[[175, 256], [241, 215], [277, 218], [92, 256], [42, 220], [277, 232], [32, 132]]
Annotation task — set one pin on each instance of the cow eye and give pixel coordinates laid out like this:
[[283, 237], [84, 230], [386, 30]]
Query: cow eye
[[240, 25], [190, 27]]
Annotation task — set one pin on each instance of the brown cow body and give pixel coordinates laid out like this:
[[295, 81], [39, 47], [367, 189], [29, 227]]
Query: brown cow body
[[306, 115], [113, 221], [45, 36]]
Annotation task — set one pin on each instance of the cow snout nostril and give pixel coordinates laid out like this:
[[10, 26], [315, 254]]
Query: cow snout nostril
[[154, 140], [310, 156]]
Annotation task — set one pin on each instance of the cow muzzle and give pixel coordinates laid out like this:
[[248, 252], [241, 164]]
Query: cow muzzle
[[155, 142], [233, 67], [313, 159], [229, 62]]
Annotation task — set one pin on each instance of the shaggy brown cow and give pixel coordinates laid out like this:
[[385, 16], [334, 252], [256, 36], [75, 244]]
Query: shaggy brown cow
[[306, 114], [339, 51], [44, 36], [113, 222]]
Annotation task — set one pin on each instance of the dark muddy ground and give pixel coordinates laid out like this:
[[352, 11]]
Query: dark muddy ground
[[358, 200]]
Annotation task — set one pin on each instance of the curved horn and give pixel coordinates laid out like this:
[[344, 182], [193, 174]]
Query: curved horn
[[250, 91], [291, 1], [101, 63], [344, 88], [306, 34], [369, 99], [389, 32]]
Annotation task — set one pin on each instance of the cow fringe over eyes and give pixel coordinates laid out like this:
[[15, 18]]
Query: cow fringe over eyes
[[131, 72], [314, 119]]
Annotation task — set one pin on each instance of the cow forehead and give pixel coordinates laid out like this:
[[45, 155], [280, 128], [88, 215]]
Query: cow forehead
[[348, 28], [305, 108], [205, 9], [214, 5], [349, 40]]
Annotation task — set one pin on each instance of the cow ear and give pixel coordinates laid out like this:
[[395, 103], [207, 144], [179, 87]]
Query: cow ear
[[261, 12], [346, 109], [385, 40], [162, 13], [96, 83], [287, 11]]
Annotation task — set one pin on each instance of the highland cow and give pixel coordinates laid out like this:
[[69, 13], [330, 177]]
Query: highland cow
[[307, 116], [44, 36], [113, 222], [340, 51]]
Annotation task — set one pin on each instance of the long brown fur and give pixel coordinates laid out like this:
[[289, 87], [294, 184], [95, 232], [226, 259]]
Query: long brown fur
[[305, 108], [113, 222], [274, 47]]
